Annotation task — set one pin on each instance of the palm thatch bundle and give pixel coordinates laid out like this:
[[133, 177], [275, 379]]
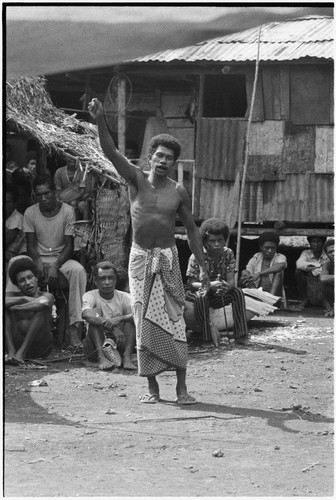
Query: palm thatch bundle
[[30, 111]]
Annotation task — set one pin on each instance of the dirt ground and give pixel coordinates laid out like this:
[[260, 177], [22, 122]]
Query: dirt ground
[[263, 425]]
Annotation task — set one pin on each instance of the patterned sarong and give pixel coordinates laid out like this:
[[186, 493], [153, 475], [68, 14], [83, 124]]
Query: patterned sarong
[[157, 300], [203, 301]]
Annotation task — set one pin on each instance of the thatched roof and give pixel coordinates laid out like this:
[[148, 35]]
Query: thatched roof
[[30, 110]]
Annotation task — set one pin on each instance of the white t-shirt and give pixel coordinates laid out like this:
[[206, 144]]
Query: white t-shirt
[[119, 305], [49, 231]]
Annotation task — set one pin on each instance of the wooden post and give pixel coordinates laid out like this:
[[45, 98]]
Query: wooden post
[[121, 114], [86, 94], [197, 183], [242, 187]]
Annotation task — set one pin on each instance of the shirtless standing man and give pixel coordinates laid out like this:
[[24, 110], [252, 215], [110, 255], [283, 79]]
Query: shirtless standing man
[[155, 279]]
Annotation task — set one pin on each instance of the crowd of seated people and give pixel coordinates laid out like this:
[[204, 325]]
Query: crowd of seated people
[[39, 254]]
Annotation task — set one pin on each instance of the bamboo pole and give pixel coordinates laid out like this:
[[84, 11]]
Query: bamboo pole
[[247, 140]]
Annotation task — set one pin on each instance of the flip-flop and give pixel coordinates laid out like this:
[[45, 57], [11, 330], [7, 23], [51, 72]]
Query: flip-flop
[[185, 399], [150, 398]]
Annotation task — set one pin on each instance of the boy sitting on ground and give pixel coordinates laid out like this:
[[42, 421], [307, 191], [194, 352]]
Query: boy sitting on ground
[[266, 268], [108, 313], [28, 315]]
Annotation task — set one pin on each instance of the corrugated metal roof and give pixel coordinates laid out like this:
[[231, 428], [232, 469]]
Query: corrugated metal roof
[[311, 36]]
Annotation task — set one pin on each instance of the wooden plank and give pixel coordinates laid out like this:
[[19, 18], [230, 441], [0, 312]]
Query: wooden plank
[[284, 93], [264, 168], [324, 150], [309, 93], [121, 114], [258, 110], [331, 94], [288, 231], [180, 173], [198, 148], [299, 148], [267, 138]]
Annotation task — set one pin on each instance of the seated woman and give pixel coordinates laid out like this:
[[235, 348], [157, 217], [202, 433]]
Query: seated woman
[[212, 311], [265, 269]]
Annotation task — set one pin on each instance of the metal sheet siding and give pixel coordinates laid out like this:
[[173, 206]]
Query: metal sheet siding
[[310, 37], [300, 198], [224, 148]]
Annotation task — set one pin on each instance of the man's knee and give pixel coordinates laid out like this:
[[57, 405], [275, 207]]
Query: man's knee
[[72, 267]]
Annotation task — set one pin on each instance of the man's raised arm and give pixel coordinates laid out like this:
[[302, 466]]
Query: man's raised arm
[[126, 169]]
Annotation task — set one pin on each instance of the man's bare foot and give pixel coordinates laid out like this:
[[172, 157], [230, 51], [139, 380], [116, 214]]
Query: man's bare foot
[[105, 364], [243, 340], [128, 365], [18, 358]]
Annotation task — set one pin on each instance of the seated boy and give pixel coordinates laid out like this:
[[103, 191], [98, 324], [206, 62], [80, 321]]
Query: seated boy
[[327, 278], [108, 313], [28, 315], [265, 269]]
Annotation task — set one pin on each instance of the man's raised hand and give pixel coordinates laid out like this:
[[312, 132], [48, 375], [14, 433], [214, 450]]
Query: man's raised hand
[[95, 108]]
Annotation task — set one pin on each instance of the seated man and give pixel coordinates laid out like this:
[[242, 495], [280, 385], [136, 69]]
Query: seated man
[[48, 225], [327, 278], [220, 264], [308, 270], [265, 269], [28, 315], [108, 313], [70, 184]]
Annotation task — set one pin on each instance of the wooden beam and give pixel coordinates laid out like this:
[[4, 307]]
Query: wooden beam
[[121, 114], [290, 231], [197, 181]]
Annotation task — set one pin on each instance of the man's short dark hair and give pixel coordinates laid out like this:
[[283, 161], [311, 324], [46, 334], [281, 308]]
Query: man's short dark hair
[[268, 236], [19, 265], [312, 237], [43, 180], [213, 226], [329, 243], [167, 141], [105, 265]]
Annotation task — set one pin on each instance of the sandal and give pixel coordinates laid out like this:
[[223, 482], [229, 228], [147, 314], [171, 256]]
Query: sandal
[[150, 398], [185, 399]]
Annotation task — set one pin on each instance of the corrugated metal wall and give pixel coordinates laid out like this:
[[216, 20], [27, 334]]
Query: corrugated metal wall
[[299, 198], [220, 148]]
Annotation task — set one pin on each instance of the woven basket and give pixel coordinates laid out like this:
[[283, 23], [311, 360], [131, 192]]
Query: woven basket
[[111, 352]]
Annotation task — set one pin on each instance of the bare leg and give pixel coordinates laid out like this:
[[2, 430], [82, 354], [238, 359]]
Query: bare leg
[[11, 331], [129, 331], [277, 285], [181, 388], [153, 386], [97, 338], [301, 283], [39, 323]]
